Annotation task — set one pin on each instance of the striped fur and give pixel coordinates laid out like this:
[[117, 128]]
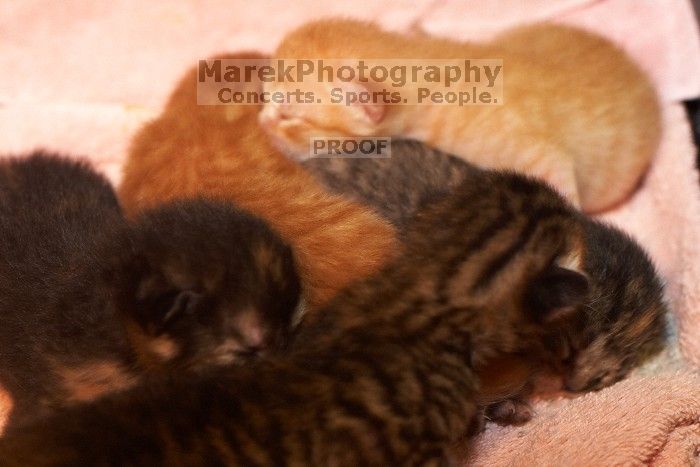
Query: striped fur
[[623, 319], [384, 376]]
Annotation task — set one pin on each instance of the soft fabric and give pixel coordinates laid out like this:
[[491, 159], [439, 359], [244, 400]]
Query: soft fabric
[[81, 77], [621, 428]]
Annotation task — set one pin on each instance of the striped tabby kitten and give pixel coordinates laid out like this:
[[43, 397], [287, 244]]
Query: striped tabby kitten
[[89, 303], [623, 319], [383, 377]]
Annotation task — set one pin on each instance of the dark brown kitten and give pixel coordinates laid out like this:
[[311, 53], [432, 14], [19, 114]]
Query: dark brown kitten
[[383, 377], [89, 302], [623, 319], [201, 283]]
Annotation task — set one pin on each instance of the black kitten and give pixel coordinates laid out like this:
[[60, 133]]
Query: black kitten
[[90, 302]]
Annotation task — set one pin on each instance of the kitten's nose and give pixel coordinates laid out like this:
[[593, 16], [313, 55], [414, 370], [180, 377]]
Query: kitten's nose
[[572, 384], [268, 118]]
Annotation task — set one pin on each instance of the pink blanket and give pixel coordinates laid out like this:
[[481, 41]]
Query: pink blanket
[[81, 77]]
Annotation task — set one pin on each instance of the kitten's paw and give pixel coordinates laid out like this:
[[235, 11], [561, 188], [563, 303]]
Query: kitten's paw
[[509, 412]]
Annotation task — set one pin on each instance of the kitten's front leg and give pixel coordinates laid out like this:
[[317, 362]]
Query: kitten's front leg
[[509, 412], [504, 383]]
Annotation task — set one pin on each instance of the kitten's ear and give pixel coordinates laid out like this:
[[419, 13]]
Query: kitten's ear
[[370, 113], [557, 294]]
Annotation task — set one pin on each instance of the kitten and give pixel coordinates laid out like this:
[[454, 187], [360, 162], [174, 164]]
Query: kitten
[[395, 187], [382, 377], [577, 111], [89, 302], [623, 316], [221, 152]]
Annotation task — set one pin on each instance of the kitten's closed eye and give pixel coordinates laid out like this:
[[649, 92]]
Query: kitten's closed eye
[[274, 114], [179, 304], [250, 352], [161, 310]]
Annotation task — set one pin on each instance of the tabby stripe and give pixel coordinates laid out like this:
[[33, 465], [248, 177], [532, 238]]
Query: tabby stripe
[[387, 382], [430, 403], [399, 284], [436, 400], [521, 185], [443, 385], [456, 366], [239, 447], [497, 264], [339, 438], [222, 452], [357, 410], [411, 313], [476, 243], [243, 428], [306, 442], [441, 319], [274, 444], [457, 373]]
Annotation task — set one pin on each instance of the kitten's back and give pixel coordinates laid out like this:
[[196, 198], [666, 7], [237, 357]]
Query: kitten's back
[[53, 205], [221, 152], [53, 213], [395, 187]]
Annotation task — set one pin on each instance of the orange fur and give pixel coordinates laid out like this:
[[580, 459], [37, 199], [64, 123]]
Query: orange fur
[[220, 152], [6, 405], [577, 111]]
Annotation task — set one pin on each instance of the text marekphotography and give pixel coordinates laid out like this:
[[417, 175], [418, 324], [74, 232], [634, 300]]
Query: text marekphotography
[[350, 81]]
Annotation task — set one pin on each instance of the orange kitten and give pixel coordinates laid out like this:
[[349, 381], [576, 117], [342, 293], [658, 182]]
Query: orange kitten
[[577, 111], [220, 152]]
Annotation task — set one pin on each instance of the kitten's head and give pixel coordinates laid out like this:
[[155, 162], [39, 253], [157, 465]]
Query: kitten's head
[[515, 255], [292, 124], [623, 323], [200, 283]]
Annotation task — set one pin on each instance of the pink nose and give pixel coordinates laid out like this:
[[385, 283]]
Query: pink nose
[[268, 119]]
